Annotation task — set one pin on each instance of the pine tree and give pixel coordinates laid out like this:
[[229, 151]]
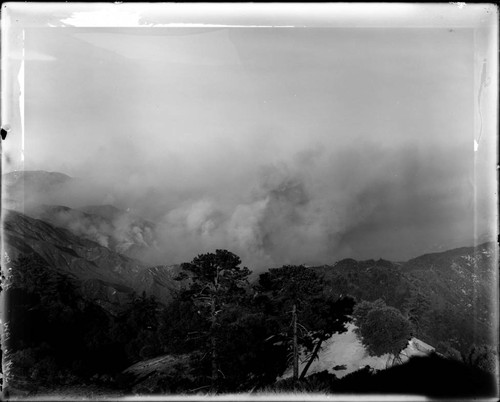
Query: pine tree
[[217, 280]]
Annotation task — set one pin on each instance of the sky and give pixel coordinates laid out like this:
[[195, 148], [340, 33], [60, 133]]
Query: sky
[[284, 145]]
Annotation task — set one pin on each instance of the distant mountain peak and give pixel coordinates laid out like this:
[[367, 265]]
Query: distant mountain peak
[[106, 211], [36, 174]]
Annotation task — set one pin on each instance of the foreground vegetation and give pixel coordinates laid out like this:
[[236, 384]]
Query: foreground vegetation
[[219, 335]]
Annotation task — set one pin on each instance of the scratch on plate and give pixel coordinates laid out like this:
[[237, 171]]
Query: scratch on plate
[[20, 78], [483, 83]]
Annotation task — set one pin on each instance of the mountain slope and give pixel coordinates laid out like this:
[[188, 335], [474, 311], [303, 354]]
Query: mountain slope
[[34, 180], [368, 280], [461, 286], [105, 276], [450, 296], [21, 187], [461, 277], [111, 227]]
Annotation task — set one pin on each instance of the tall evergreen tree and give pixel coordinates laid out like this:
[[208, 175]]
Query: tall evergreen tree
[[216, 281], [418, 307]]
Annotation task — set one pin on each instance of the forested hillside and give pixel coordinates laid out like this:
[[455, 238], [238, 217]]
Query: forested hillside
[[449, 297]]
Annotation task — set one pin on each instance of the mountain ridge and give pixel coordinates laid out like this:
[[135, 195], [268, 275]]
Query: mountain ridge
[[107, 225], [451, 295], [101, 271]]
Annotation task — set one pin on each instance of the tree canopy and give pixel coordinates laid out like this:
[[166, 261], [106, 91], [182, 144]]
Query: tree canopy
[[382, 329], [217, 280]]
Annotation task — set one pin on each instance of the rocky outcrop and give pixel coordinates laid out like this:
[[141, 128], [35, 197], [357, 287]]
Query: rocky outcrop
[[158, 375]]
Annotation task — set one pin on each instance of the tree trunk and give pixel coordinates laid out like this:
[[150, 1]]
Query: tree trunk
[[313, 356], [213, 340], [295, 346]]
